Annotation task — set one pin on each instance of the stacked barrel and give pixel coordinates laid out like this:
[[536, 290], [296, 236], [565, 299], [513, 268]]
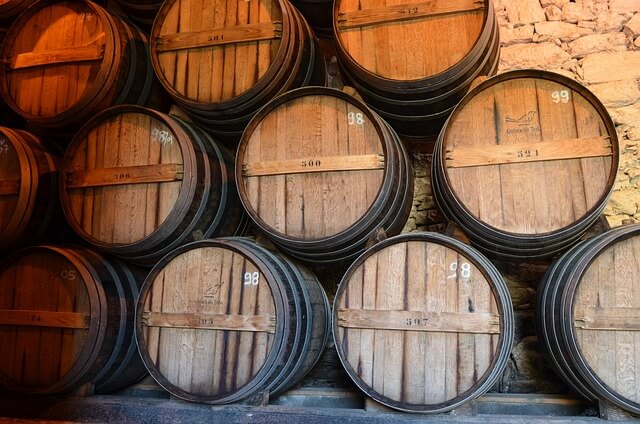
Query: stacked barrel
[[155, 272]]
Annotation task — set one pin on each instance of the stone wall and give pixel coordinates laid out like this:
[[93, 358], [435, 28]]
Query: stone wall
[[597, 43]]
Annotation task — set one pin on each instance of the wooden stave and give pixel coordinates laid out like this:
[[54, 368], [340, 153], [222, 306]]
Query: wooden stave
[[117, 365], [390, 210], [568, 359], [10, 9], [77, 374], [218, 212], [418, 109], [308, 69], [280, 359], [547, 320], [283, 54], [125, 76], [312, 301], [187, 192], [503, 301], [513, 246], [40, 209]]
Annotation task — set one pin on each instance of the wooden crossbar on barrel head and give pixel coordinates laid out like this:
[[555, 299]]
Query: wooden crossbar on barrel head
[[141, 174], [256, 323], [577, 148], [9, 187], [54, 319], [313, 164], [609, 318], [219, 36], [443, 322], [403, 12], [90, 52]]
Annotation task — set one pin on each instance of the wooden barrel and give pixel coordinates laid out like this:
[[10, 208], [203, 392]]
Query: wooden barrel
[[138, 183], [11, 8], [413, 62], [67, 60], [222, 61], [319, 15], [66, 318], [29, 204], [333, 173], [587, 317], [143, 12], [525, 164], [423, 323], [221, 320]]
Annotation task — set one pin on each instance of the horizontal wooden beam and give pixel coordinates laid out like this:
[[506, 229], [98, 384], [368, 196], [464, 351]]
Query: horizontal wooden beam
[[219, 36], [403, 12], [499, 154], [9, 187], [71, 320], [313, 164], [90, 52], [613, 319], [256, 323], [142, 174], [439, 322]]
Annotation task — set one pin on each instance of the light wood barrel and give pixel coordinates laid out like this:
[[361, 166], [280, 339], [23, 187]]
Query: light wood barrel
[[12, 8], [221, 320], [222, 60], [65, 61], [28, 189], [525, 164], [423, 323], [587, 317], [413, 62], [139, 183], [332, 174], [66, 318]]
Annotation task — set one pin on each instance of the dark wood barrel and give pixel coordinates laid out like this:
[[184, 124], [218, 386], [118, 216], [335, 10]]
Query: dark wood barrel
[[65, 61], [413, 62], [138, 183], [588, 317], [423, 323], [221, 320], [29, 204], [11, 8], [221, 61], [66, 319], [320, 173], [525, 164], [319, 15], [142, 12]]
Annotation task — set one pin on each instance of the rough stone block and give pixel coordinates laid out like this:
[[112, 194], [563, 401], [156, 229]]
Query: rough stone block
[[632, 27], [562, 30], [553, 13], [603, 67], [575, 12], [597, 43], [624, 6], [617, 93], [524, 11], [609, 22], [543, 55], [521, 34]]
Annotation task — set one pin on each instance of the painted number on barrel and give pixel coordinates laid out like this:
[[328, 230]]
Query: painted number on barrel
[[528, 153], [310, 163], [560, 96], [355, 118], [464, 270], [4, 147], [164, 137], [251, 278], [413, 322], [68, 274]]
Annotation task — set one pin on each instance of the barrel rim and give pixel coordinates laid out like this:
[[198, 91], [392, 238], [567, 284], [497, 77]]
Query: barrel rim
[[503, 302], [591, 214]]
